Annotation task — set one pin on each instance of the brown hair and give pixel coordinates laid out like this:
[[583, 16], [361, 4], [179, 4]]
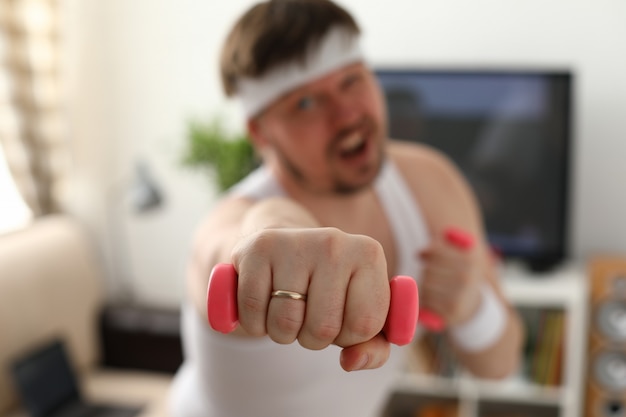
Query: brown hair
[[275, 32]]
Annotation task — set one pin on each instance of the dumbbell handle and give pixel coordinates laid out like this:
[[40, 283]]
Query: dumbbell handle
[[399, 327], [463, 241]]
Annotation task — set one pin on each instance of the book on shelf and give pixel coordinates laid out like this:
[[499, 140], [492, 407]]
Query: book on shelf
[[433, 355], [543, 351], [437, 409]]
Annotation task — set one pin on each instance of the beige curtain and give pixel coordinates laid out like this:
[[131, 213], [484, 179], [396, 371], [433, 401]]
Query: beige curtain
[[30, 103]]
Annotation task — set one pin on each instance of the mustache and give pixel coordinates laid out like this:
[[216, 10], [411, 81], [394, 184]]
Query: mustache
[[363, 124]]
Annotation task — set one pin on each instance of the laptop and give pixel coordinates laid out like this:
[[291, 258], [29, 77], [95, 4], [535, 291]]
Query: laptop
[[48, 387]]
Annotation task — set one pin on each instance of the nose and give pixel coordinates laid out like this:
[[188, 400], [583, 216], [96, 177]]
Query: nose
[[343, 110]]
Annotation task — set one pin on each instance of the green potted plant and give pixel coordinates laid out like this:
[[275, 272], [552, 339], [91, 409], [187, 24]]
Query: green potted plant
[[209, 145]]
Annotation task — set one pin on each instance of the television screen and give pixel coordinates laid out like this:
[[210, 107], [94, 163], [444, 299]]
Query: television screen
[[509, 133]]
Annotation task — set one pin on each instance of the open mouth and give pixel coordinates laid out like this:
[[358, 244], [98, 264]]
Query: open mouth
[[352, 145]]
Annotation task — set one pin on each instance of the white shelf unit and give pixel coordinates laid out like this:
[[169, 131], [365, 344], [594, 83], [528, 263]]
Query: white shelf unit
[[563, 289]]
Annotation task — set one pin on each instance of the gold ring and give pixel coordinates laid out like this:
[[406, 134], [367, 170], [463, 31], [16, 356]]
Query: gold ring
[[289, 294]]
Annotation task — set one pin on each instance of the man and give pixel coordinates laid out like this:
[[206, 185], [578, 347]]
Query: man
[[335, 211]]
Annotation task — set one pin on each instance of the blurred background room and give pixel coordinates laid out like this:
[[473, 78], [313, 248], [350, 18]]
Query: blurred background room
[[102, 103]]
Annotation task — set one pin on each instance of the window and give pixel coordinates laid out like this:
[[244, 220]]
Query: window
[[14, 213]]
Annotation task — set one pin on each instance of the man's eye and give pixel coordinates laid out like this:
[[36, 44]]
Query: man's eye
[[305, 103], [352, 80]]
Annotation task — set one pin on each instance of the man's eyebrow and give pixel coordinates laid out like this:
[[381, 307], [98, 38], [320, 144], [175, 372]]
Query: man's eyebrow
[[302, 90]]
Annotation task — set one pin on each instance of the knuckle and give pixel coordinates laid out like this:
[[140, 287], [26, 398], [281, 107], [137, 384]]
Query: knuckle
[[464, 281], [264, 241], [372, 250], [331, 242], [288, 323], [365, 327], [252, 305], [373, 247], [325, 332]]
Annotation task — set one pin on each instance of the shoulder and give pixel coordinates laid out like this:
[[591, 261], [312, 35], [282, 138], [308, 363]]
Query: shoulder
[[440, 188], [423, 165]]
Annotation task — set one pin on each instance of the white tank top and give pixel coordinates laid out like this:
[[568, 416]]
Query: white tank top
[[224, 376]]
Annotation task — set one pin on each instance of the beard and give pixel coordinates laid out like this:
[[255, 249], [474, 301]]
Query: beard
[[338, 185]]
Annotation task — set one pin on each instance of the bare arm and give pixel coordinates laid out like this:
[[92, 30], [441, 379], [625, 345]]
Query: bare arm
[[453, 279]]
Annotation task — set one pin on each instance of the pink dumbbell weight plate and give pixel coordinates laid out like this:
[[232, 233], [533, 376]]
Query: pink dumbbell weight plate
[[399, 327]]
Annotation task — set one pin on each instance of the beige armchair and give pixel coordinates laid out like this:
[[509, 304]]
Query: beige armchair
[[51, 285]]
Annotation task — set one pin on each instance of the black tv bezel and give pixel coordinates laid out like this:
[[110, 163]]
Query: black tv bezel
[[547, 259]]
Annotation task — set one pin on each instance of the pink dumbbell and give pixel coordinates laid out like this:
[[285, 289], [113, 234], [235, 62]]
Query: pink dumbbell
[[461, 240], [401, 318], [399, 326]]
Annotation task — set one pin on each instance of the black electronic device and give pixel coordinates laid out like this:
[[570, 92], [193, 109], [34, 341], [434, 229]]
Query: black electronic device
[[48, 386], [509, 132]]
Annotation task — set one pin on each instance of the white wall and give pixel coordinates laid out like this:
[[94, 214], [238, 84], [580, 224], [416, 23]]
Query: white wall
[[137, 70]]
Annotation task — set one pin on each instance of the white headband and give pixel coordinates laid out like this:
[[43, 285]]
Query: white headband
[[336, 49]]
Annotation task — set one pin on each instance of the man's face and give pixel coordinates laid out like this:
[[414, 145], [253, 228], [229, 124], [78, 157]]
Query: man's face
[[327, 135]]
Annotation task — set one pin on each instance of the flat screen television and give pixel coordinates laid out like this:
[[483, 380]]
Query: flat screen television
[[509, 132]]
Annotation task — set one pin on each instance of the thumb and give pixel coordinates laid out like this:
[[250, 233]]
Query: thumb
[[367, 355]]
